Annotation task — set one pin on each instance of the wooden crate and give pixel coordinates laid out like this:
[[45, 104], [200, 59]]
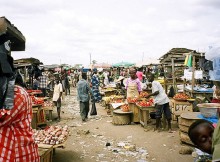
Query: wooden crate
[[46, 154]]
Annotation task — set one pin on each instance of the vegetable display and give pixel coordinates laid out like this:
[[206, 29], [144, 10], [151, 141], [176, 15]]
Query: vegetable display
[[54, 135], [181, 96], [132, 100], [143, 94], [125, 108], [147, 103]]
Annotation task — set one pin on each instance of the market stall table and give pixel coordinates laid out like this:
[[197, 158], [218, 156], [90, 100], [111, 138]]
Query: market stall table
[[38, 116], [179, 106], [144, 114], [45, 152], [206, 94]]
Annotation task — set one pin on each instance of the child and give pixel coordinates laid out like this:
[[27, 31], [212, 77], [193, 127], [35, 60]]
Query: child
[[203, 134]]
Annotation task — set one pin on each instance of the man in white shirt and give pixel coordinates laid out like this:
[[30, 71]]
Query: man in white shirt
[[161, 102], [57, 94]]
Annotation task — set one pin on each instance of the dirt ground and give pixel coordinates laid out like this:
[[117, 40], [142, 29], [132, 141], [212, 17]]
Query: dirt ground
[[87, 140]]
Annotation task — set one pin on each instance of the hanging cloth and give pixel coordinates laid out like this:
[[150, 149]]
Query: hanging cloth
[[189, 62], [186, 59]]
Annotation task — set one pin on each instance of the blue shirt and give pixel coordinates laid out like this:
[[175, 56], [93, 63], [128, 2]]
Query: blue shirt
[[83, 91]]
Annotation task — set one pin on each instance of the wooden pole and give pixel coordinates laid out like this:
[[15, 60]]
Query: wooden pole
[[193, 73], [173, 74]]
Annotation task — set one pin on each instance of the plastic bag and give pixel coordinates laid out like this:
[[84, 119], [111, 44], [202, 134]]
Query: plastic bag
[[93, 109], [212, 53]]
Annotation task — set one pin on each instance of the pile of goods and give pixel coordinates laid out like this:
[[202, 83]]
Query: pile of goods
[[125, 108], [181, 96], [37, 100], [53, 135], [132, 100], [48, 104], [143, 94], [31, 91], [113, 99], [147, 103]]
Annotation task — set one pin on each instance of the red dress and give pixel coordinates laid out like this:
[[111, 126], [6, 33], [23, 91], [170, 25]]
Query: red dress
[[16, 137]]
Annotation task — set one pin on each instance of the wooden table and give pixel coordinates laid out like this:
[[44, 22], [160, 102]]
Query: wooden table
[[194, 94], [144, 114], [37, 110], [45, 152]]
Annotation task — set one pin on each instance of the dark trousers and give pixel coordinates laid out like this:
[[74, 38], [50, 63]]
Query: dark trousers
[[165, 108], [84, 109], [44, 92]]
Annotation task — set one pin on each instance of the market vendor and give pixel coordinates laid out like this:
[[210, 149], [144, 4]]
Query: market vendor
[[16, 134], [133, 84], [161, 101]]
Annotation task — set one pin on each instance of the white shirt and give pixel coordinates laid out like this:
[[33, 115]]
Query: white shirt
[[56, 92], [161, 98]]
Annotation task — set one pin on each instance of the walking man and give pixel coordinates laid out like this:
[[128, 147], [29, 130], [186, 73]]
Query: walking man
[[83, 90]]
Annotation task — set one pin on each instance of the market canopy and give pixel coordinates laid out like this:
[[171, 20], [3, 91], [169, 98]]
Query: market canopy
[[150, 61], [102, 65], [123, 64], [9, 32]]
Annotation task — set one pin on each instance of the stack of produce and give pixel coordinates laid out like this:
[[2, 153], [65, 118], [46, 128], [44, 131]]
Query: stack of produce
[[37, 100], [132, 100], [181, 96], [125, 108], [143, 94], [147, 103], [31, 91], [54, 135], [47, 104]]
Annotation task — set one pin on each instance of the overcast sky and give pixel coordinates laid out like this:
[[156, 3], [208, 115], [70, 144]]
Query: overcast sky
[[68, 31]]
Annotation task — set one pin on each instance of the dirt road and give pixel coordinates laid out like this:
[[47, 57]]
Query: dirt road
[[87, 141]]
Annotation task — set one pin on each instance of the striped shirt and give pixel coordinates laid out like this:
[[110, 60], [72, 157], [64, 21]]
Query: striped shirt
[[16, 137]]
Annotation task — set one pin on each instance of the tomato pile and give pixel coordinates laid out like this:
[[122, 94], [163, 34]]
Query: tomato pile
[[148, 103], [37, 100], [132, 100], [33, 91], [181, 96], [143, 94], [125, 108]]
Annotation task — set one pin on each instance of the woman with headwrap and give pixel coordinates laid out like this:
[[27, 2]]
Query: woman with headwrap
[[95, 86], [17, 143]]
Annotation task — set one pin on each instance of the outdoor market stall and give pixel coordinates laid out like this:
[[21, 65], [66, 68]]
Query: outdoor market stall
[[173, 62]]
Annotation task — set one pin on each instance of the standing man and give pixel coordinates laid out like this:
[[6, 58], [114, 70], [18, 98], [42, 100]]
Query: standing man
[[57, 94], [161, 102], [43, 80], [83, 97]]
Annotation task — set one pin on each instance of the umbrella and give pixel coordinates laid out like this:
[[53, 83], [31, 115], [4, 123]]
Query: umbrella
[[122, 64]]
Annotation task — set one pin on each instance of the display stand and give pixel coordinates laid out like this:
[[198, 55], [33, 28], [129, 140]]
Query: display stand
[[45, 152], [144, 114], [178, 107]]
